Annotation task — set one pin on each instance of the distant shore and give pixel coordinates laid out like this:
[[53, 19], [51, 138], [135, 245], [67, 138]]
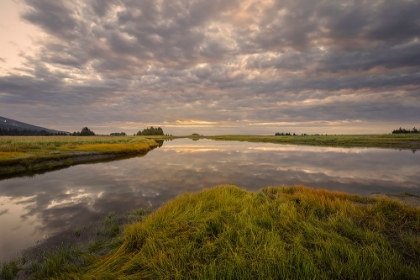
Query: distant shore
[[395, 141]]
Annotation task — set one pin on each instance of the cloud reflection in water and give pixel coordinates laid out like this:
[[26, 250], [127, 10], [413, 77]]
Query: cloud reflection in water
[[34, 207]]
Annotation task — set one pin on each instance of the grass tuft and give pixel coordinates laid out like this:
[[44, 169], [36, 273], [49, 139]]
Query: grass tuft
[[230, 233], [9, 270], [278, 233]]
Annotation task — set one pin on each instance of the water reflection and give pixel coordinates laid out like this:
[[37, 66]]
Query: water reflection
[[34, 207]]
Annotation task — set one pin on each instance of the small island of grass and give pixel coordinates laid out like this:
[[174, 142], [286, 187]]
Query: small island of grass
[[276, 233]]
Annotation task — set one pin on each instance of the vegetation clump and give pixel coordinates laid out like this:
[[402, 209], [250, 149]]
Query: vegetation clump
[[84, 132], [405, 131], [118, 134], [151, 131], [284, 134], [277, 233]]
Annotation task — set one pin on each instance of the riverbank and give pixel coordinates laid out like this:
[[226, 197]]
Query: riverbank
[[22, 154], [230, 233], [395, 141]]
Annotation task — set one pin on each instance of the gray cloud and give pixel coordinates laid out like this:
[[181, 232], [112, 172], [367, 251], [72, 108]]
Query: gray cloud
[[121, 61], [53, 17]]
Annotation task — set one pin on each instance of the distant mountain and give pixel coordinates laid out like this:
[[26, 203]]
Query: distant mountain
[[6, 123]]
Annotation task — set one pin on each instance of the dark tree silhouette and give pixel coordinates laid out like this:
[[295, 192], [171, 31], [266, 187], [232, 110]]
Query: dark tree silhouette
[[85, 132], [151, 131], [405, 131]]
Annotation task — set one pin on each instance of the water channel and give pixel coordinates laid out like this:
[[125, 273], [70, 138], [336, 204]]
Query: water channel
[[33, 208]]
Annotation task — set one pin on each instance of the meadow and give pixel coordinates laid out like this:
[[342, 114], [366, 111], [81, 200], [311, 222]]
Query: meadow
[[34, 153], [396, 141], [229, 233]]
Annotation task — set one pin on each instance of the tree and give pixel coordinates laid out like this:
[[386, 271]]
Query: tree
[[151, 131], [85, 132]]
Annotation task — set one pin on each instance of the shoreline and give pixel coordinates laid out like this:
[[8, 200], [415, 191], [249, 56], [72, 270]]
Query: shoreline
[[385, 141], [33, 155], [39, 166]]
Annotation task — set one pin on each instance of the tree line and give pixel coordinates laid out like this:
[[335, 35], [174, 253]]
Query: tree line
[[84, 132], [118, 134], [27, 132], [405, 131], [287, 134], [284, 134]]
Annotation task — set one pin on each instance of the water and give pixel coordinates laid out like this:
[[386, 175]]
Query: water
[[32, 208]]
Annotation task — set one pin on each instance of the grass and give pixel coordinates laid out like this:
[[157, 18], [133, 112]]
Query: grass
[[9, 270], [32, 153], [397, 141], [276, 233]]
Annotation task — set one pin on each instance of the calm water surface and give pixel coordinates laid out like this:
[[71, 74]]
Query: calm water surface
[[32, 208]]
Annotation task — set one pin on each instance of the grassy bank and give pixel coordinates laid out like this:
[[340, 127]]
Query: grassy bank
[[34, 153], [277, 233], [396, 141]]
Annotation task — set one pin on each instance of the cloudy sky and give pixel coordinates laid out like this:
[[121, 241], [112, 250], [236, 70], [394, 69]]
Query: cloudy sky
[[212, 67]]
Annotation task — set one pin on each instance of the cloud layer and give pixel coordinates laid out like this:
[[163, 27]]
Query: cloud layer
[[235, 65]]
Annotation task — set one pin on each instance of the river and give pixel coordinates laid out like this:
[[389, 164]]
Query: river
[[33, 208]]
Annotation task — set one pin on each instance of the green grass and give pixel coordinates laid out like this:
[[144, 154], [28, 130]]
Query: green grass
[[9, 270], [33, 153], [276, 233], [404, 141]]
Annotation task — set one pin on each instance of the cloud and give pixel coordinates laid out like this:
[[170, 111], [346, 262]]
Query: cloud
[[121, 61]]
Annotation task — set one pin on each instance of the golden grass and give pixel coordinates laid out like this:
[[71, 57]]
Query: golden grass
[[111, 148], [23, 153], [8, 155], [277, 233]]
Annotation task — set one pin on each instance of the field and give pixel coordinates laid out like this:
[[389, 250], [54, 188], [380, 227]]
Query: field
[[229, 233], [396, 141], [34, 153]]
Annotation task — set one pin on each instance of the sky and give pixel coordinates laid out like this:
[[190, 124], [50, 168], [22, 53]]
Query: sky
[[212, 67]]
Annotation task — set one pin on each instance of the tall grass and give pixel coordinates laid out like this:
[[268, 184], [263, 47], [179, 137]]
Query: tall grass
[[34, 143], [277, 233]]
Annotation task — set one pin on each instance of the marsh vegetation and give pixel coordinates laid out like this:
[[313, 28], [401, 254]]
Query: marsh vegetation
[[276, 233], [21, 154]]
